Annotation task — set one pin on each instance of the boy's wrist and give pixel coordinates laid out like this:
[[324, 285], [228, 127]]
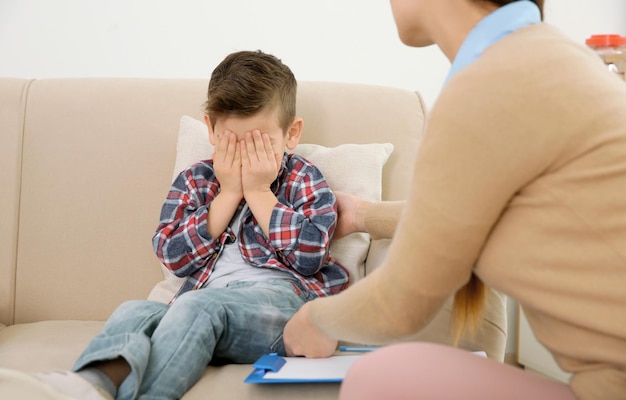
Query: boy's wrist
[[231, 196], [261, 203], [257, 192]]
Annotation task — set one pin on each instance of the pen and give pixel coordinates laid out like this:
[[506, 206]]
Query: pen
[[358, 349]]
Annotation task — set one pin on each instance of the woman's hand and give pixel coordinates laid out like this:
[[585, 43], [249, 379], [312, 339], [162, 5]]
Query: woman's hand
[[302, 338], [351, 218]]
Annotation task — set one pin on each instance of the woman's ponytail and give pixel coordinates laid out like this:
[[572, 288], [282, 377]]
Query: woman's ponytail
[[468, 308]]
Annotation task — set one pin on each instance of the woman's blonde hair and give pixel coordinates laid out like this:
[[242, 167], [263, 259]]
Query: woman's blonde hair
[[468, 308]]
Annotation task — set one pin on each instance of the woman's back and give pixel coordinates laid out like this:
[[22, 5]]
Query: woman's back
[[546, 124]]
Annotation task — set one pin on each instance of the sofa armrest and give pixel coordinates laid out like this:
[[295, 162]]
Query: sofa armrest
[[12, 109]]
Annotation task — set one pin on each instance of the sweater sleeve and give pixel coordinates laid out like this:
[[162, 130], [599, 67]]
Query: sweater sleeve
[[382, 219], [476, 154]]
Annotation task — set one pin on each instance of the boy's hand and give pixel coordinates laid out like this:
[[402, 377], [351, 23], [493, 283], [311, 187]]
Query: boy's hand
[[259, 164], [259, 168], [227, 164]]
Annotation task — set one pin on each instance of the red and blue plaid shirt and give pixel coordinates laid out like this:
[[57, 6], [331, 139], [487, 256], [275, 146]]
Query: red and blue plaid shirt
[[301, 227]]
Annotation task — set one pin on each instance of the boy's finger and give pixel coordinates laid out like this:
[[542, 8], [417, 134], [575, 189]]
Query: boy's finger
[[231, 146], [259, 143], [251, 146], [267, 144], [243, 148], [237, 156], [222, 144]]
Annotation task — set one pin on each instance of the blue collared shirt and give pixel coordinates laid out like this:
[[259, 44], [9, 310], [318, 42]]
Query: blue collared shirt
[[503, 21]]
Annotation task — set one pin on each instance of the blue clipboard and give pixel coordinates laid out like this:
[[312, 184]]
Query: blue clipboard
[[272, 369]]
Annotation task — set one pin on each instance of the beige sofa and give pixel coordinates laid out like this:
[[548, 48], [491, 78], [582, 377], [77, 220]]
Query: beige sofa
[[84, 167]]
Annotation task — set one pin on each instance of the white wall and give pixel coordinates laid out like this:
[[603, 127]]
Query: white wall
[[349, 40], [319, 39]]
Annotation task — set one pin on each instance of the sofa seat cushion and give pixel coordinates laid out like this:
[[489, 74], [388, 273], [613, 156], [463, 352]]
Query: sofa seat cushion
[[45, 345], [16, 384], [55, 345]]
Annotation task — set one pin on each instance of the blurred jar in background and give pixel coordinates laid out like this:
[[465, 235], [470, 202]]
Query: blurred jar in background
[[612, 50]]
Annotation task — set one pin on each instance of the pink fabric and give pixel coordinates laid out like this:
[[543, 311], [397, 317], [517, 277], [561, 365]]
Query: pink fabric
[[433, 372]]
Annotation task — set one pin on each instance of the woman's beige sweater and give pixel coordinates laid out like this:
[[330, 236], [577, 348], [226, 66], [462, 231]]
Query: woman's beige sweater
[[521, 177]]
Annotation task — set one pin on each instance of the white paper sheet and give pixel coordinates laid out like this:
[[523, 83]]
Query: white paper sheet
[[331, 368]]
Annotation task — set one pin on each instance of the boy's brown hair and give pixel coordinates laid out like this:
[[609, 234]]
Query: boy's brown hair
[[248, 82]]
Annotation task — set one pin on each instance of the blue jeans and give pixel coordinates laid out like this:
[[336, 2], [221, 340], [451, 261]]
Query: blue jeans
[[169, 347]]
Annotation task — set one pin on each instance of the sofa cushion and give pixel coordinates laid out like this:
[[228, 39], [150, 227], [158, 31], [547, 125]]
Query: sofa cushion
[[21, 385], [352, 168], [45, 345], [55, 345]]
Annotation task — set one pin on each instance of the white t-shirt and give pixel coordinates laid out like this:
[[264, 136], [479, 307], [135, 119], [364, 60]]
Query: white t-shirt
[[230, 265]]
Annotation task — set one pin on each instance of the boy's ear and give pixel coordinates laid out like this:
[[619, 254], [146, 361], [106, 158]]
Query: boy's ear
[[294, 133], [207, 121]]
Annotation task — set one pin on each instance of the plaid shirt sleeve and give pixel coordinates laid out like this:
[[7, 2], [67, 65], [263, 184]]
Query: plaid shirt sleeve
[[303, 222], [182, 241]]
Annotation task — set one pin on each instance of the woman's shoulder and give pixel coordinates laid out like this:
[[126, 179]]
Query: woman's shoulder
[[535, 93], [533, 58], [536, 70], [539, 43]]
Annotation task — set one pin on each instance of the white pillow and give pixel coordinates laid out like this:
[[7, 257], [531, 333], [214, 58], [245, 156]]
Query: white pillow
[[350, 168]]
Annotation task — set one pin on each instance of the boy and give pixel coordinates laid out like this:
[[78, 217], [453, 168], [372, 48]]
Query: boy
[[250, 229]]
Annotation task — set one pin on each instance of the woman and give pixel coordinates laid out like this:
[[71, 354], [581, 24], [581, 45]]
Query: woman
[[520, 183]]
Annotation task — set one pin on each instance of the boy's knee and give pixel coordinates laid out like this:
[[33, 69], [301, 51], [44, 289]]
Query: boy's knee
[[133, 309]]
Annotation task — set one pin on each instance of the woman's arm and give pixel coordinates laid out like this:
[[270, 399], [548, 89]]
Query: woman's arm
[[466, 172]]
